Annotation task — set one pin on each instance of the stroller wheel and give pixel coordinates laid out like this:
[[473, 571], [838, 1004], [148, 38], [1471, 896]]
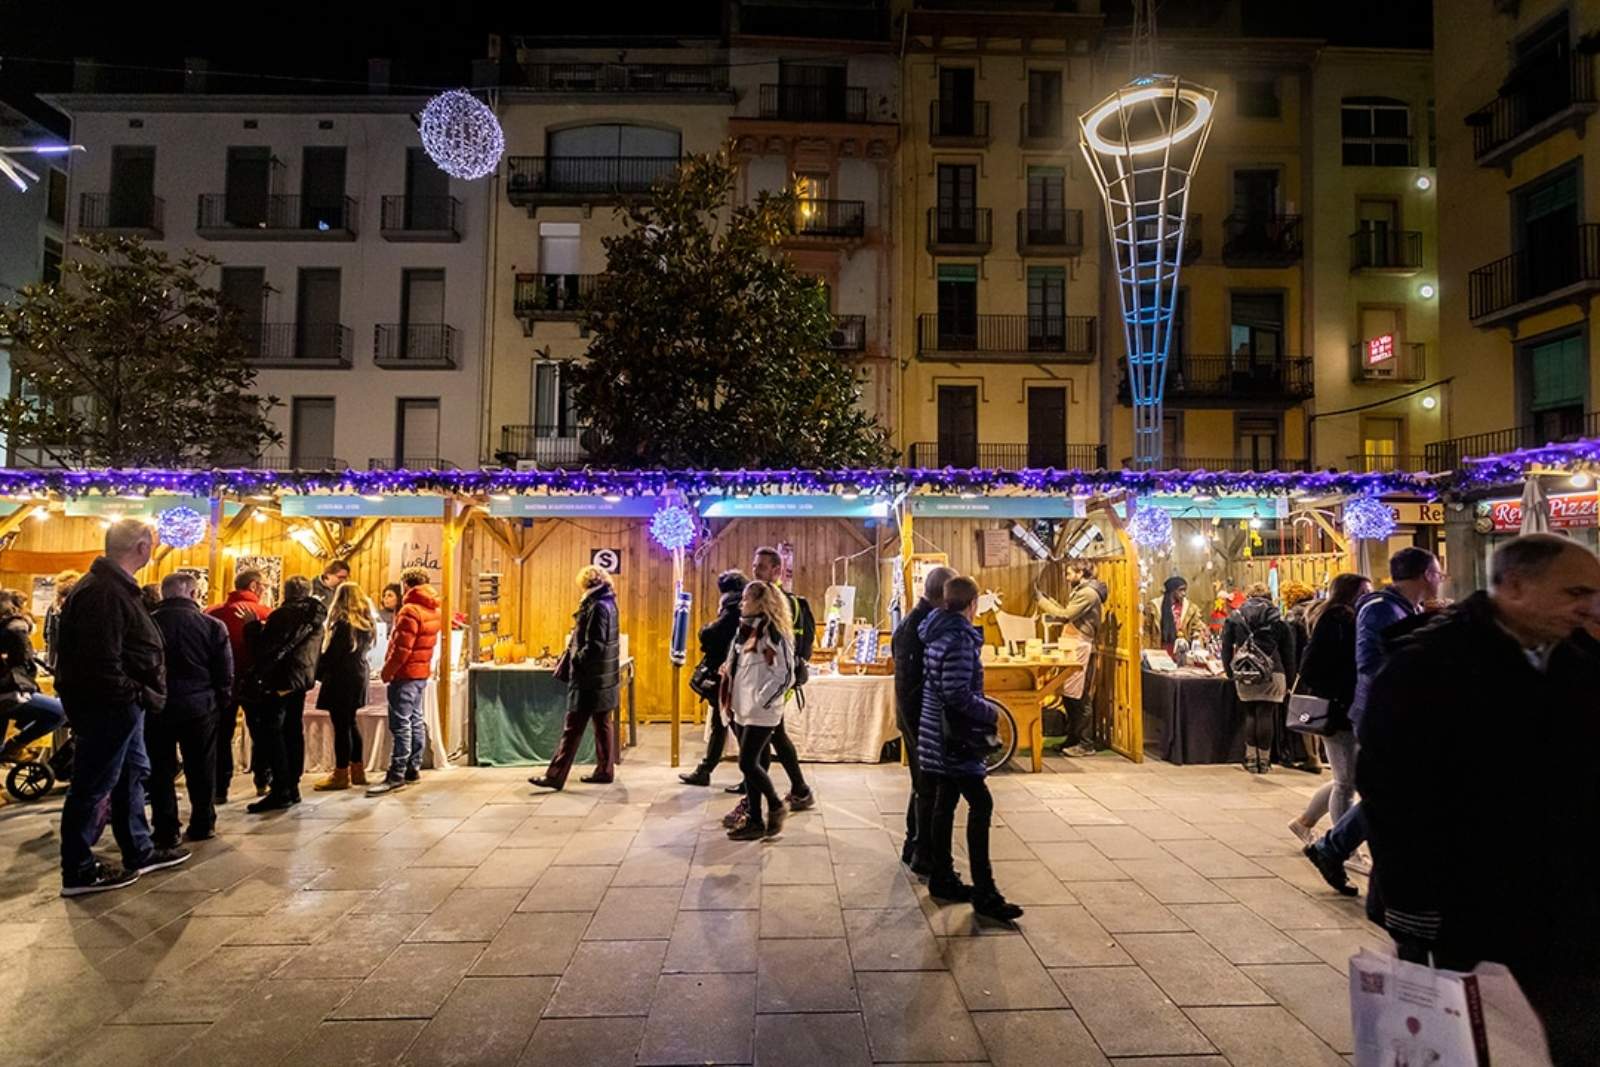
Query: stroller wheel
[[30, 781]]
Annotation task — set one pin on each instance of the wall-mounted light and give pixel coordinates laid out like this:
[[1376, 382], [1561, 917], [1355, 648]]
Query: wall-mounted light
[[1423, 183], [1429, 403], [1198, 540], [1427, 291], [1580, 481]]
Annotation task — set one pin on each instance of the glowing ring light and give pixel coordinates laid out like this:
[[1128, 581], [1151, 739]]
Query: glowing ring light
[[1096, 118]]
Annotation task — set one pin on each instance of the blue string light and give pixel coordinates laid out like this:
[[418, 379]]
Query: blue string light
[[1151, 528], [673, 527], [181, 527], [1366, 518]]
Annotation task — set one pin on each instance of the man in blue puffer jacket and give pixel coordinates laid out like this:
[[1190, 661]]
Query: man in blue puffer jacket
[[955, 724]]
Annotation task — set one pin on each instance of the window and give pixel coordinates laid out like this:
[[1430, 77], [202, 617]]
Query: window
[[318, 334], [56, 212], [1381, 442], [1172, 435], [812, 91], [311, 432], [1377, 322], [958, 200], [1047, 426], [427, 193], [1376, 132], [1545, 216], [1046, 198], [244, 292], [422, 331], [1256, 98], [553, 414], [1047, 309], [1255, 332], [133, 187], [416, 432], [1557, 386], [50, 262], [958, 306], [957, 109], [958, 426], [248, 185], [1255, 193], [1256, 441], [322, 205], [1044, 103]]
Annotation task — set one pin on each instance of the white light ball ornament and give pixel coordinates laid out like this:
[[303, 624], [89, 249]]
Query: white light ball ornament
[[461, 135]]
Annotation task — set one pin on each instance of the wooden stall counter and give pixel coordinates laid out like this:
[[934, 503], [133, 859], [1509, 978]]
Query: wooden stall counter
[[1025, 686]]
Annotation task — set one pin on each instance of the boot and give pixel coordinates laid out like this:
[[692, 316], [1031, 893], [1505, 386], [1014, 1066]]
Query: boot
[[358, 774], [339, 779]]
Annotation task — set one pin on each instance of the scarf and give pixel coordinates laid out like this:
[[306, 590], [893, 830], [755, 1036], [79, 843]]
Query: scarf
[[1169, 626]]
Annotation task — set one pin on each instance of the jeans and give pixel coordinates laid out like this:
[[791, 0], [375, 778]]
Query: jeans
[[109, 770], [196, 738], [281, 741], [35, 717], [1334, 798], [1346, 836], [757, 783], [952, 788], [346, 737], [572, 733], [406, 726], [787, 756]]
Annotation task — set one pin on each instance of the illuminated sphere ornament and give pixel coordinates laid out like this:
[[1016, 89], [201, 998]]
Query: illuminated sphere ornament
[[461, 135], [181, 527], [1151, 528], [1367, 518], [673, 527]]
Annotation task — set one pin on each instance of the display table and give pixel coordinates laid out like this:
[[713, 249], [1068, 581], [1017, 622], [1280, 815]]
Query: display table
[[516, 710], [373, 721], [1024, 686], [847, 718], [1192, 718]]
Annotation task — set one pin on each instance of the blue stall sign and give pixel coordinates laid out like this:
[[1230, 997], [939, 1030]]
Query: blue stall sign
[[799, 506], [1222, 507], [404, 506], [573, 507], [997, 507], [133, 507]]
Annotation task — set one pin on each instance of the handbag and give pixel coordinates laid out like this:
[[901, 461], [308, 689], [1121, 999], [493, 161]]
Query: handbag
[[563, 668], [1307, 714], [704, 682]]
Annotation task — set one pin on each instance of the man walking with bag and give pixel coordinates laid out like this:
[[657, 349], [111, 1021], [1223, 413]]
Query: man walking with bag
[[908, 653]]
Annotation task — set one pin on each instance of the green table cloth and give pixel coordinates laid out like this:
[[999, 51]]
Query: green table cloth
[[517, 712]]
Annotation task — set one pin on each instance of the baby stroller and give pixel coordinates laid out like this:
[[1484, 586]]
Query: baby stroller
[[36, 774]]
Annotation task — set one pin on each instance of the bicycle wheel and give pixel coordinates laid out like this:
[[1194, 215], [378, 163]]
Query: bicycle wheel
[[1005, 729], [30, 781]]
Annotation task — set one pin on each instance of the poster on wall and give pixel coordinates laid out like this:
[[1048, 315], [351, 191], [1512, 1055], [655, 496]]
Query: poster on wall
[[44, 594], [271, 570], [416, 544], [607, 559], [202, 582]]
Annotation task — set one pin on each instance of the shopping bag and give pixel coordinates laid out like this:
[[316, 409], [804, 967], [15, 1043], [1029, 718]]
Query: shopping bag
[[1407, 1015]]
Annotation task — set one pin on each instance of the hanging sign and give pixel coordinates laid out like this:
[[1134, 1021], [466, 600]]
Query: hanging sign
[[997, 507], [1423, 514], [403, 506], [416, 544], [819, 506], [133, 507], [573, 507], [607, 559], [1567, 511], [1224, 507], [1380, 349]]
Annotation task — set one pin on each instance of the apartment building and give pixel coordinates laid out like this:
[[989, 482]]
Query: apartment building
[[1519, 174], [31, 220], [354, 263]]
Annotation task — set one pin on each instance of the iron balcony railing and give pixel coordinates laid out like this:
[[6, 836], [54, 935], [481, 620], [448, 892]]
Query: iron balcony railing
[[958, 123], [849, 333], [1261, 240], [814, 103], [546, 445], [1559, 262], [1385, 463], [1233, 377], [1447, 455], [109, 211], [960, 229], [1408, 364], [421, 214], [1380, 249], [409, 463], [1041, 128], [1530, 98], [1236, 464], [301, 463], [1192, 246], [831, 218], [414, 344], [1023, 337], [552, 295], [1035, 455], [294, 216], [591, 175], [626, 77], [1049, 230], [325, 344]]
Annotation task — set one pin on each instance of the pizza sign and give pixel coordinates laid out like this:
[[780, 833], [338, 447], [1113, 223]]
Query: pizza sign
[[1567, 511], [1380, 349]]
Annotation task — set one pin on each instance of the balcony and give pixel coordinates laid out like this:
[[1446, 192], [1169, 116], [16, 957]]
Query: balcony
[[1042, 129], [276, 218], [1388, 463], [849, 334], [120, 216], [1235, 464], [1232, 381], [1261, 240], [297, 463], [1447, 455], [1383, 251], [550, 297], [1192, 245], [420, 218], [1057, 454], [1531, 106], [415, 346], [1564, 268], [813, 103], [648, 79], [537, 181], [829, 221], [409, 463], [1049, 232], [1408, 364], [958, 123], [1007, 339], [301, 345], [546, 446], [960, 231]]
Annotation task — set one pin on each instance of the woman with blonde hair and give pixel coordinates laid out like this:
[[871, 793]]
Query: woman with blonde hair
[[759, 673], [343, 672], [65, 581], [591, 668]]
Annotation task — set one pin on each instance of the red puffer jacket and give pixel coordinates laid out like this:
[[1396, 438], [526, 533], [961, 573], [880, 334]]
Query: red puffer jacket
[[416, 631]]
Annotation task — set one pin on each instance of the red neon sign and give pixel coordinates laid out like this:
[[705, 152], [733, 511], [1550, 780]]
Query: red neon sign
[[1380, 349]]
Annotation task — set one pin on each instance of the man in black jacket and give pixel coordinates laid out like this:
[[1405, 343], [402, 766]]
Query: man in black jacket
[[285, 650], [1435, 789], [716, 637], [109, 675], [908, 653], [199, 677]]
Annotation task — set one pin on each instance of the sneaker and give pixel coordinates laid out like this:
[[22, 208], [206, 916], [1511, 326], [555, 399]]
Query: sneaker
[[737, 814], [270, 802], [388, 785], [160, 859], [1332, 870], [991, 905], [775, 819], [412, 775], [747, 831], [801, 802], [1306, 834], [192, 834], [696, 777], [98, 879], [1360, 863], [1081, 749], [951, 889]]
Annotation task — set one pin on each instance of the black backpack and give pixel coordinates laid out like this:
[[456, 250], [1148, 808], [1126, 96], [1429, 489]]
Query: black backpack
[[805, 637]]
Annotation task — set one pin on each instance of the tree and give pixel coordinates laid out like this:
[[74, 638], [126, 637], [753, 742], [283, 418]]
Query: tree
[[131, 360], [709, 349]]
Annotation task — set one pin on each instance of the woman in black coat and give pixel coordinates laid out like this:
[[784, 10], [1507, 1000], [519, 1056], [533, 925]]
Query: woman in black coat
[[593, 682], [343, 671], [1258, 620], [1329, 671], [716, 637], [284, 652]]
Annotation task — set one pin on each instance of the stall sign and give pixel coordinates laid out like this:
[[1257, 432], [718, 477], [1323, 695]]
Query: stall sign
[[316, 506], [1414, 514], [573, 507], [140, 507], [997, 507], [1226, 507], [1567, 511], [607, 559], [820, 506], [1380, 349], [416, 544]]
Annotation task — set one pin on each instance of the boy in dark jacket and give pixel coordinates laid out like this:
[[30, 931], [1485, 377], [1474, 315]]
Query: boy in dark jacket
[[199, 674], [908, 654], [715, 638], [952, 736], [284, 654]]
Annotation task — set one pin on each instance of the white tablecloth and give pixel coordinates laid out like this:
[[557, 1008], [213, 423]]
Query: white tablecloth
[[846, 718]]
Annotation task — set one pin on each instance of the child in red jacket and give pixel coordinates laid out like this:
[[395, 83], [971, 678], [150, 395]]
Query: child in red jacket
[[406, 667]]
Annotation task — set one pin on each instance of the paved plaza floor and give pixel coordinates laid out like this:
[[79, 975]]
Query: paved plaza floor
[[1171, 922]]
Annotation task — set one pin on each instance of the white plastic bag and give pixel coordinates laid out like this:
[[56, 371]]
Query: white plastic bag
[[1407, 1015]]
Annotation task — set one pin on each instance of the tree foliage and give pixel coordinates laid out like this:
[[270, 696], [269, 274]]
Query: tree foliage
[[131, 360], [709, 348]]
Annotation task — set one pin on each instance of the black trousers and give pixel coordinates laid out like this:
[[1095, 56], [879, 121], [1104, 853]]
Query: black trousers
[[280, 741], [951, 789], [920, 805], [346, 736], [1261, 723], [753, 757], [787, 756], [227, 724], [715, 743], [195, 737], [256, 718]]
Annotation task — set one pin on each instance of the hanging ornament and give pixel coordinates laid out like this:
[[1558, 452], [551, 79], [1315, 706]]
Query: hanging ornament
[[1366, 518], [461, 135], [181, 527], [673, 527], [1151, 528]]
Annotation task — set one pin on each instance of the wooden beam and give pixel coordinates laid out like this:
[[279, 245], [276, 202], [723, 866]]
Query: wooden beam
[[454, 520], [367, 528], [541, 531], [855, 535], [13, 522], [492, 528]]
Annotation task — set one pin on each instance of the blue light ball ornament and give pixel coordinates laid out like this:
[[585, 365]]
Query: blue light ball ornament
[[461, 135], [1151, 528], [1366, 518], [673, 527], [181, 527]]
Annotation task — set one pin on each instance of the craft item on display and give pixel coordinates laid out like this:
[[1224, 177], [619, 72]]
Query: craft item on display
[[673, 527], [461, 135], [1157, 660], [866, 646], [44, 594], [1151, 528], [841, 601], [680, 627], [1030, 541], [181, 527], [1366, 518]]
